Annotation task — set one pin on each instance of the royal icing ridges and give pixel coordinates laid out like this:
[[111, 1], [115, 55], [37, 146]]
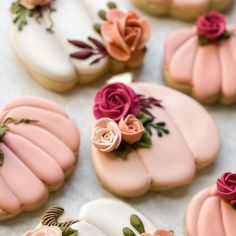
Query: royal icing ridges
[[185, 10], [59, 53], [34, 127], [209, 43], [218, 203], [117, 219], [150, 163]]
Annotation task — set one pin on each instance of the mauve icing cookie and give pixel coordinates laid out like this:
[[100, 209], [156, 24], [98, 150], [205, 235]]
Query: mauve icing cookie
[[115, 218], [62, 43], [182, 9], [201, 60], [212, 211], [149, 137], [36, 154]]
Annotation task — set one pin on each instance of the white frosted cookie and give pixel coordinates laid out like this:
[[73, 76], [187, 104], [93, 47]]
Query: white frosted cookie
[[182, 9], [102, 217], [201, 60], [36, 154], [149, 137], [62, 43]]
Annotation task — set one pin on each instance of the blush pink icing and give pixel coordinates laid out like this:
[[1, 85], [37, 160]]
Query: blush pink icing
[[124, 34], [211, 26], [48, 167], [146, 169], [116, 101], [226, 186], [159, 233], [31, 4], [45, 231], [185, 61]]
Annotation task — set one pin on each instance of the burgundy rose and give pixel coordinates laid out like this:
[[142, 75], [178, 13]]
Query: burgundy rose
[[226, 186], [211, 26], [116, 101]]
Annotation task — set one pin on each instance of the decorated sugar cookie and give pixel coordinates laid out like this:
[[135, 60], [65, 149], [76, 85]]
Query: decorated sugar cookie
[[62, 43], [184, 9], [36, 154], [201, 61], [212, 211], [149, 137], [116, 218]]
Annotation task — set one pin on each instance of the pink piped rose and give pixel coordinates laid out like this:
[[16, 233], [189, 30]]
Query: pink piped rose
[[45, 231], [125, 35], [159, 233], [115, 101], [131, 129], [226, 186], [106, 135], [31, 4], [211, 26]]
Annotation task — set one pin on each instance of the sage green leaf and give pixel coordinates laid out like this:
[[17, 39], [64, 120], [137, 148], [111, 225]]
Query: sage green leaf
[[111, 5], [68, 231], [145, 142], [144, 117], [97, 28], [203, 41], [124, 150], [128, 232], [3, 129], [1, 157], [137, 223], [102, 14]]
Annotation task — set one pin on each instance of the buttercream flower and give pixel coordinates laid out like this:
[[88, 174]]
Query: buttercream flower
[[106, 135], [131, 129], [31, 4], [45, 231], [159, 233], [211, 26], [226, 186], [116, 101], [124, 34]]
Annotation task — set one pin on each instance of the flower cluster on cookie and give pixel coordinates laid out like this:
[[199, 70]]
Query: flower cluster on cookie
[[22, 9], [124, 120], [138, 225], [125, 35], [212, 28], [226, 188]]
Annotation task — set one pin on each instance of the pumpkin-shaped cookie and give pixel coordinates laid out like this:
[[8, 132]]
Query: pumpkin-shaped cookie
[[117, 219], [62, 43], [201, 61], [212, 211], [149, 137], [36, 153], [181, 9]]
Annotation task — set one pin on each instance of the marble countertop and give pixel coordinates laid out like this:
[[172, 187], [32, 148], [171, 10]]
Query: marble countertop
[[165, 210]]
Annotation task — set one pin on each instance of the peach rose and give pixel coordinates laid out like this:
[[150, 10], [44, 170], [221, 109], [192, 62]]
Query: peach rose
[[106, 135], [125, 35], [31, 4], [45, 231], [159, 233], [131, 129]]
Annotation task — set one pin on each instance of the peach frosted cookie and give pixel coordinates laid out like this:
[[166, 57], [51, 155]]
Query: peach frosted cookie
[[33, 144], [201, 61], [217, 203], [182, 9], [62, 43], [117, 219], [143, 138]]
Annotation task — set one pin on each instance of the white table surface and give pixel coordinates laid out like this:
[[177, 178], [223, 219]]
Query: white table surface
[[165, 210]]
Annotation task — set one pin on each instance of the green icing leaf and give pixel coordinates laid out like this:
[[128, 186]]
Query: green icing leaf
[[203, 41], [124, 150], [102, 14], [160, 127], [128, 232], [1, 157], [3, 129], [68, 231], [144, 118], [137, 223], [145, 142], [111, 5], [97, 28]]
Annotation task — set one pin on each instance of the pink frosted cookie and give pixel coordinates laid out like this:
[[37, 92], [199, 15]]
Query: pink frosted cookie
[[62, 43], [182, 9], [201, 61], [212, 211], [36, 154], [103, 217], [149, 137]]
